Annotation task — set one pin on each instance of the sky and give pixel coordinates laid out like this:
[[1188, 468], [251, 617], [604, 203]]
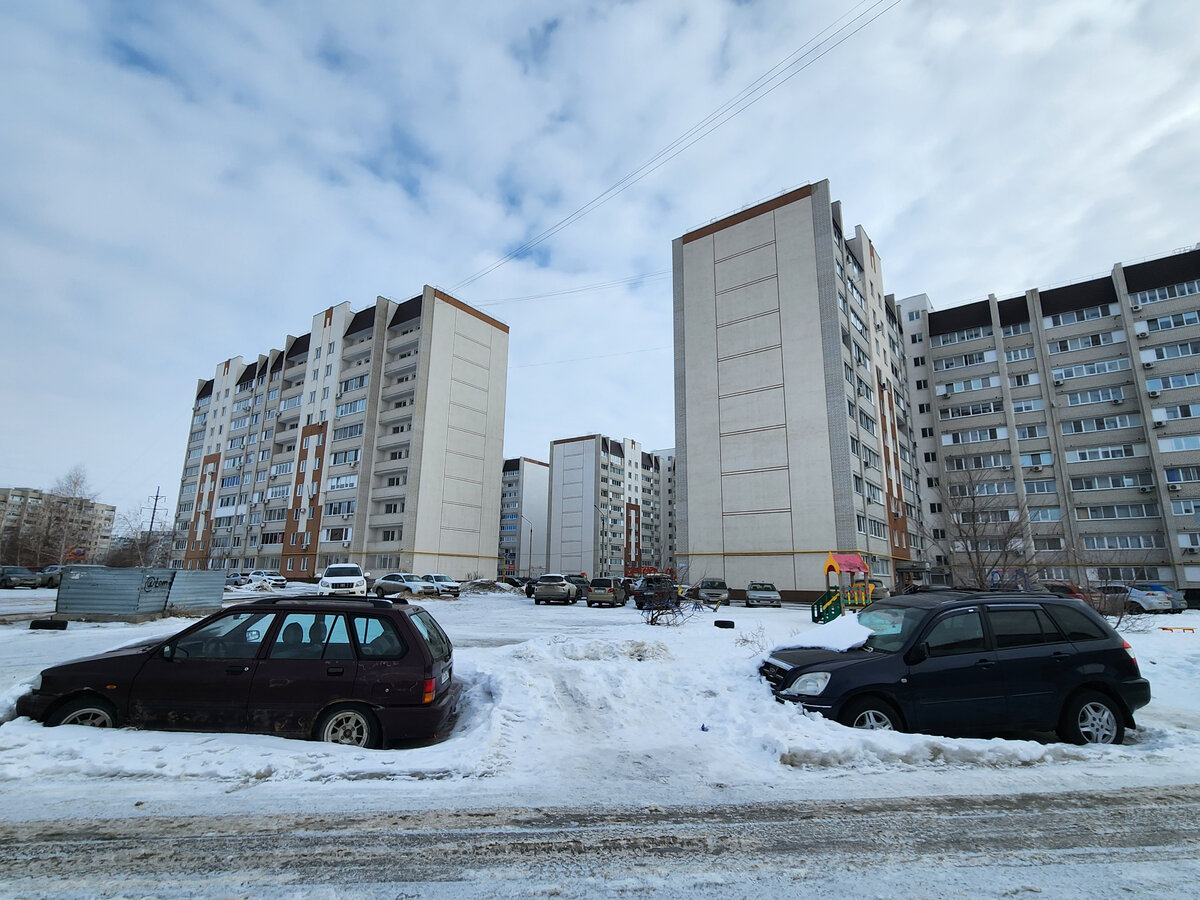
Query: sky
[[187, 183]]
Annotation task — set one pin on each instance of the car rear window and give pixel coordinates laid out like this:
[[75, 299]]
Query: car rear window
[[1022, 627], [439, 644], [378, 638], [603, 583], [1076, 624]]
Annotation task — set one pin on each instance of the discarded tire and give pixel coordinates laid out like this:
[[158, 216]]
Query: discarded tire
[[49, 624], [723, 623]]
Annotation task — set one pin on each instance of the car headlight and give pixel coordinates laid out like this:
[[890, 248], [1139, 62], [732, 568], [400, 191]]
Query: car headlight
[[324, 583], [361, 582], [807, 685]]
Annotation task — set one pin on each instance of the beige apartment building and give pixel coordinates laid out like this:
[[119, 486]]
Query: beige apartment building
[[524, 490], [608, 511], [38, 528], [793, 422], [1057, 429], [375, 438]]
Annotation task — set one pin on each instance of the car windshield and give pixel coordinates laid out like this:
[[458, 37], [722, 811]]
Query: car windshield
[[716, 585], [891, 626], [761, 586], [343, 572]]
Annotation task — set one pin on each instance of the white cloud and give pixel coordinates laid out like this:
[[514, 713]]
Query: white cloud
[[184, 184]]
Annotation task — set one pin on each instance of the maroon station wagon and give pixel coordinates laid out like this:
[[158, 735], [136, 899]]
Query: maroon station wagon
[[359, 672]]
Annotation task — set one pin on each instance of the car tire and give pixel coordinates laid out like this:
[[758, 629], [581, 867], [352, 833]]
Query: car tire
[[537, 602], [349, 724], [1133, 609], [1092, 718], [872, 714], [379, 593], [93, 711]]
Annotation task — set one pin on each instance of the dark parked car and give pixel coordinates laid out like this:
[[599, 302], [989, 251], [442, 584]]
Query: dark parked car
[[583, 587], [346, 671], [962, 662], [19, 576], [654, 589]]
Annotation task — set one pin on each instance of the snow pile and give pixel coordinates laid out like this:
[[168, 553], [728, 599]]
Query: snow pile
[[840, 635], [575, 705]]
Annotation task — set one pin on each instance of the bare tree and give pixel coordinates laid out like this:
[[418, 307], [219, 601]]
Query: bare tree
[[986, 524], [66, 524]]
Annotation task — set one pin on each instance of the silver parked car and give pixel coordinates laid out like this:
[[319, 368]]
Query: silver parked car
[[762, 593], [712, 591], [403, 583], [553, 588]]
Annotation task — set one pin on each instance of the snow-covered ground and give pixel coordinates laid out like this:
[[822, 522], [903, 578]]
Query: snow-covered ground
[[566, 705]]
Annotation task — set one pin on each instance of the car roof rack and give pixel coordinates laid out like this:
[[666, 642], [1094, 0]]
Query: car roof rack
[[270, 601]]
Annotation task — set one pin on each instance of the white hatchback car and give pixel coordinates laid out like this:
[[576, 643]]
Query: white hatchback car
[[343, 580], [1134, 600]]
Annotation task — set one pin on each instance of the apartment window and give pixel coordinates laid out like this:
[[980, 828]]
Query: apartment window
[[1118, 511], [388, 534]]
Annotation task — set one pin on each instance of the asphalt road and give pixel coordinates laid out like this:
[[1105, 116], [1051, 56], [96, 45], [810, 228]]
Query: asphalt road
[[1143, 841]]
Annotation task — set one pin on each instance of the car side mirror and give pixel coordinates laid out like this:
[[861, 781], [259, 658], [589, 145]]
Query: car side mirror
[[366, 574], [168, 651], [917, 654]]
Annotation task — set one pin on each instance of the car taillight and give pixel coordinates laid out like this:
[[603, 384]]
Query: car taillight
[[1129, 650], [431, 689]]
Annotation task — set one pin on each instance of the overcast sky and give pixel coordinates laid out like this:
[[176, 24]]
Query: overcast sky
[[183, 183]]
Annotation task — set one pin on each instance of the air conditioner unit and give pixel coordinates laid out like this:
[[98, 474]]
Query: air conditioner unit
[[1173, 488], [345, 543], [1142, 335], [1134, 307], [1145, 490], [1035, 468], [1151, 393], [1147, 365], [353, 463], [1189, 549], [345, 515], [1117, 401], [1006, 468], [1058, 382], [1160, 424]]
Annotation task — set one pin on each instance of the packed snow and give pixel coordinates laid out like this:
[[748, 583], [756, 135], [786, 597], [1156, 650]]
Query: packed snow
[[571, 705]]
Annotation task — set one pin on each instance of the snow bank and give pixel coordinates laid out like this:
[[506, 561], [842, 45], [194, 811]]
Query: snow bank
[[839, 635], [570, 704]]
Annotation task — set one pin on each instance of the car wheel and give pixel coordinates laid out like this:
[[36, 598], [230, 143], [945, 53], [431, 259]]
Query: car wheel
[[1133, 609], [590, 604], [537, 602], [350, 725], [872, 714], [94, 711], [379, 593], [6, 584], [1091, 718]]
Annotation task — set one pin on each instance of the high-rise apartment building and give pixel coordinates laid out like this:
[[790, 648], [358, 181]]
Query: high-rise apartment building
[[607, 512], [1058, 429], [38, 528], [524, 491], [376, 438], [793, 425]]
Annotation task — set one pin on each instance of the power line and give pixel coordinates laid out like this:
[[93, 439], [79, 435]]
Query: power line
[[765, 84], [583, 289]]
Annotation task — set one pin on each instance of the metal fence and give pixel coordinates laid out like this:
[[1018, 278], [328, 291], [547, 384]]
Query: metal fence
[[98, 592]]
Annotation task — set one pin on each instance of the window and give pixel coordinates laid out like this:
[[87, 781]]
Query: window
[[1022, 627], [377, 638], [967, 334], [1118, 511], [1075, 316], [957, 633], [1097, 367], [1156, 295]]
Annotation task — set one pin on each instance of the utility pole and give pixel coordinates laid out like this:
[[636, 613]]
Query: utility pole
[[153, 514]]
